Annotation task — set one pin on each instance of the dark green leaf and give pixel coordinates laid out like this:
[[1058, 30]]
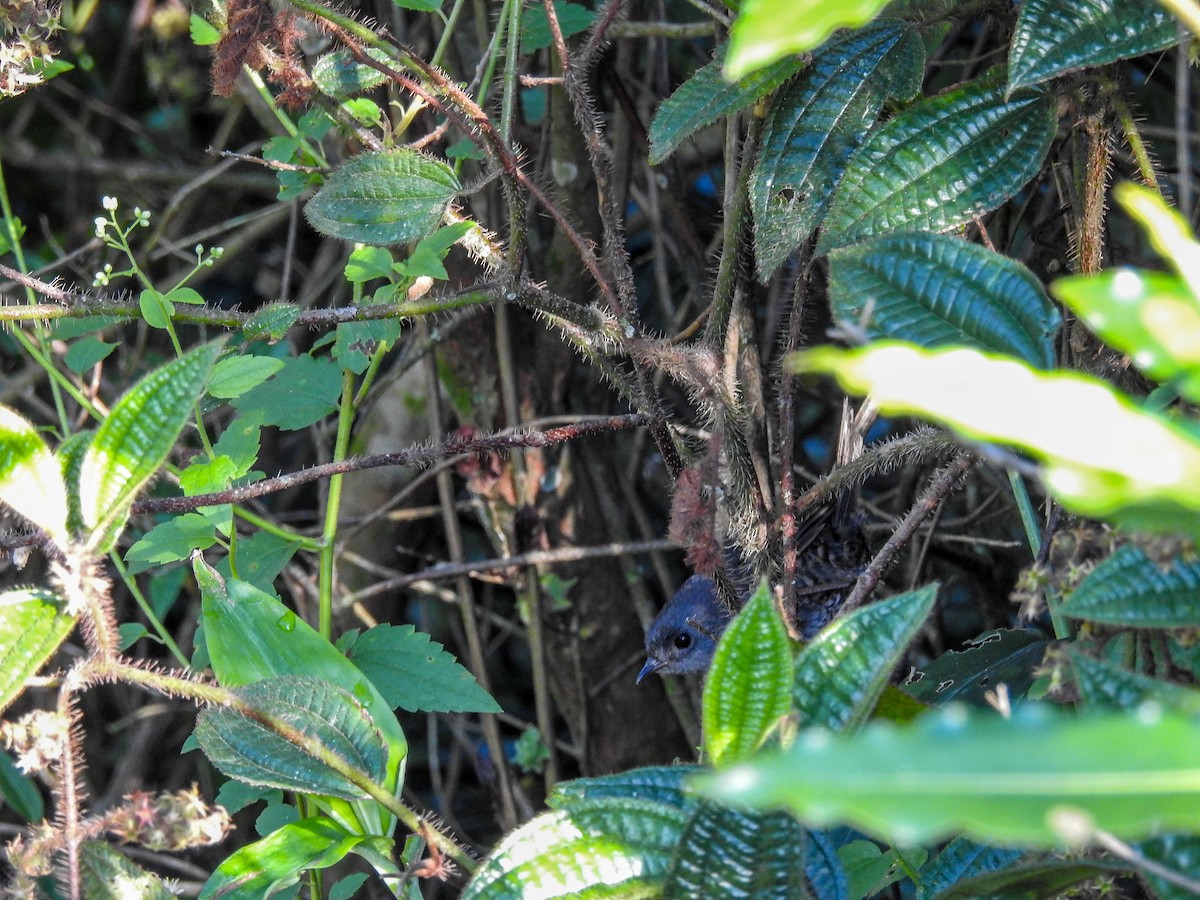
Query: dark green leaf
[[961, 859], [414, 673], [746, 693], [735, 854], [815, 124], [845, 668], [535, 28], [935, 290], [659, 784], [261, 558], [1132, 590], [19, 792], [871, 870], [234, 376], [33, 623], [272, 321], [1003, 656], [303, 392], [1179, 853], [357, 342], [1049, 878], [87, 352], [339, 75], [389, 197], [706, 97], [1057, 36], [941, 162], [824, 870], [1106, 685]]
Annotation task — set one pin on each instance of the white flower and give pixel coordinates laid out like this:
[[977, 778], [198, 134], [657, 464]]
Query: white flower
[[109, 203], [101, 225]]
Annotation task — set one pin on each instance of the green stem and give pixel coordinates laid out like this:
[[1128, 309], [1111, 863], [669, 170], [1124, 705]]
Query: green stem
[[155, 622], [332, 506]]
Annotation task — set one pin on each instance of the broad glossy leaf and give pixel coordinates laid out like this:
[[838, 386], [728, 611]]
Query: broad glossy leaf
[[765, 30], [659, 784], [1105, 685], [248, 749], [105, 873], [1037, 778], [389, 197], [961, 859], [278, 860], [133, 441], [1132, 590], [934, 290], [340, 75], [1103, 455], [33, 622], [1168, 230], [706, 97], [611, 848], [845, 668], [31, 482], [729, 853], [415, 673], [940, 163], [1004, 656], [816, 123], [1058, 36], [746, 693]]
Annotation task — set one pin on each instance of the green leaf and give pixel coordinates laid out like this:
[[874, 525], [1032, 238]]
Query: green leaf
[[1048, 877], [959, 860], [185, 295], [731, 853], [261, 557], [105, 873], [19, 792], [1132, 590], [155, 308], [1179, 853], [357, 342], [602, 849], [765, 30], [278, 860], [1054, 37], [1169, 232], [746, 693], [1038, 778], [339, 75], [366, 263], [535, 28], [31, 480], [530, 754], [940, 163], [205, 476], [870, 870], [239, 443], [414, 673], [33, 623], [303, 392], [171, 541], [706, 97], [203, 33], [87, 352], [134, 440], [816, 123], [1104, 685], [842, 672], [1003, 656], [934, 290], [250, 749], [390, 197], [658, 784], [272, 321], [1103, 456], [234, 376]]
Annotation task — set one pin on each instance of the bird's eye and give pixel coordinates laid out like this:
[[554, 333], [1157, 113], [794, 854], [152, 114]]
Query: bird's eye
[[683, 640]]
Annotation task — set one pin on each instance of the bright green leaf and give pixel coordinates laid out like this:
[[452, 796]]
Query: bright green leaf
[[203, 33], [33, 623], [155, 308], [303, 392], [31, 481], [368, 262], [105, 873], [765, 30], [235, 375], [171, 541], [340, 75]]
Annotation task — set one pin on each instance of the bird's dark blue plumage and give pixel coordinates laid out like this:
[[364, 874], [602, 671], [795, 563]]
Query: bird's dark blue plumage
[[683, 637]]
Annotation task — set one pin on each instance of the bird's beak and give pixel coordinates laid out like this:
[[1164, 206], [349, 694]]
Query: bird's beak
[[652, 665]]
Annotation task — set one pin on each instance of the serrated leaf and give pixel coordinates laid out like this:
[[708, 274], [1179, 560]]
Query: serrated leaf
[[105, 873], [415, 673], [1048, 877], [961, 859], [340, 75], [234, 376], [249, 749], [171, 541], [731, 853], [1132, 590], [768, 29], [1054, 37], [842, 672], [1030, 779], [86, 352], [746, 693], [706, 97], [389, 197], [816, 123], [940, 163], [1003, 656], [934, 290], [135, 438], [203, 33], [31, 481], [303, 392], [535, 28], [1103, 456], [33, 622], [605, 848], [272, 321], [658, 784], [1102, 684], [278, 860]]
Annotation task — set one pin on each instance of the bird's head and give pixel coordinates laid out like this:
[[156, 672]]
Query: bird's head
[[683, 637]]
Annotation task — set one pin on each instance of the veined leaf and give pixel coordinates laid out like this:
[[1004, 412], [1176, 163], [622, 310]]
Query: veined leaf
[[940, 163], [845, 668], [934, 290], [33, 623], [816, 123], [31, 481], [1044, 877], [1003, 656], [659, 784], [340, 75], [1132, 590], [251, 750], [133, 441], [1058, 36], [706, 97], [1103, 456], [389, 197], [961, 859], [746, 693], [1105, 685], [107, 874], [1038, 778]]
